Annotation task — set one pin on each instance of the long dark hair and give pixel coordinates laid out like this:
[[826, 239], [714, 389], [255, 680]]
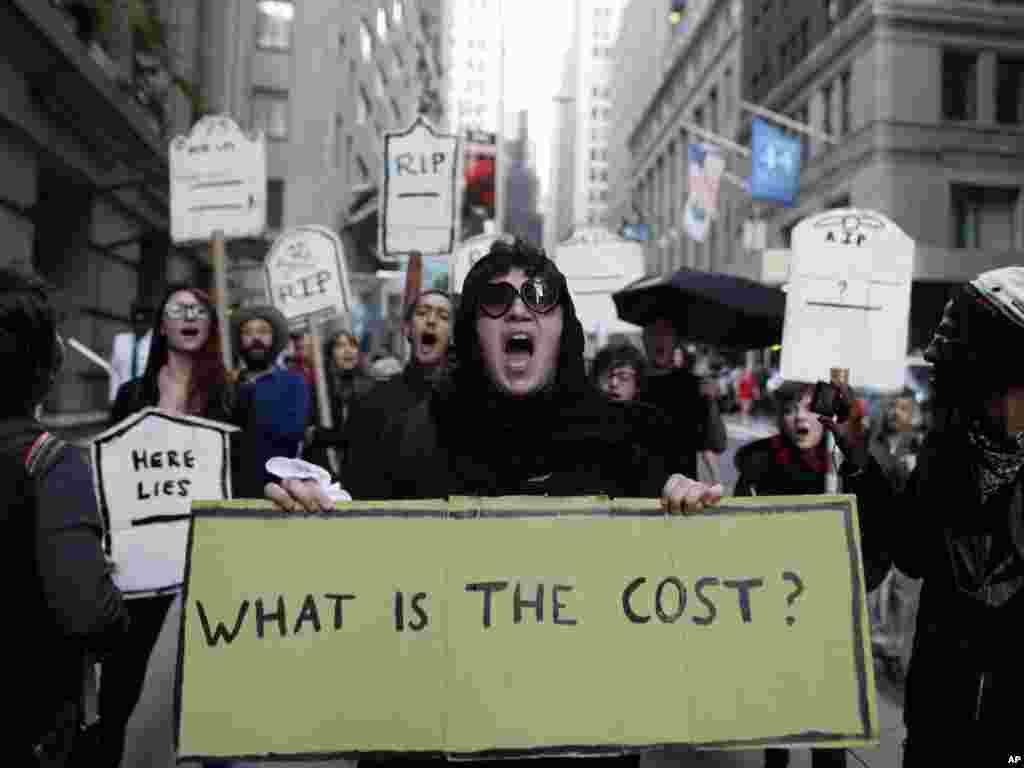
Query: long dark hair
[[503, 256], [208, 388]]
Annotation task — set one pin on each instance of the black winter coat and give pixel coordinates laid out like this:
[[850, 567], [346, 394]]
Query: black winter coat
[[966, 670], [62, 602], [366, 455], [585, 446]]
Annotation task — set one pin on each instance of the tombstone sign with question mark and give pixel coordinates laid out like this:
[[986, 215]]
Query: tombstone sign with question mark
[[848, 299]]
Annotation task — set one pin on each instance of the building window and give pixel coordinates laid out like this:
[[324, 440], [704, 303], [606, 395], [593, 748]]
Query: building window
[[713, 109], [365, 40], [959, 85], [397, 11], [396, 111], [985, 217], [364, 107], [380, 80], [270, 113], [274, 24], [826, 107], [698, 117], [1010, 91], [845, 110], [382, 24], [275, 203]]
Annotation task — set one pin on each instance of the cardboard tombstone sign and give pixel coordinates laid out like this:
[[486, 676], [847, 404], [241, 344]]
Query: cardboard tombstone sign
[[218, 181], [848, 299], [306, 275], [147, 471], [419, 206]]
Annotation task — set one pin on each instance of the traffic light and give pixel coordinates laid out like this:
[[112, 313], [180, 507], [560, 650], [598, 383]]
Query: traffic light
[[676, 10]]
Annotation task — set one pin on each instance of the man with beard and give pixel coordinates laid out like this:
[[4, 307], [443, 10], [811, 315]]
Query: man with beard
[[428, 328], [274, 405]]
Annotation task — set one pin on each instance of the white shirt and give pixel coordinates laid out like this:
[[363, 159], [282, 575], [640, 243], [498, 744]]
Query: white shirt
[[121, 359]]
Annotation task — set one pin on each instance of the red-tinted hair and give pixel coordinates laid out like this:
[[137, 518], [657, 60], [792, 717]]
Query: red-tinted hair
[[209, 376]]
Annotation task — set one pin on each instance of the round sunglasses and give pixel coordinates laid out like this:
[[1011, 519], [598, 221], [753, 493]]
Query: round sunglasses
[[538, 294]]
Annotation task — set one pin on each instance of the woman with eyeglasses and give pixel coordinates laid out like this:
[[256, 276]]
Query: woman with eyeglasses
[[184, 374]]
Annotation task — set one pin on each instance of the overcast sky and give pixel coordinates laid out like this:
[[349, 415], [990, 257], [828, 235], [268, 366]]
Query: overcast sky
[[538, 33]]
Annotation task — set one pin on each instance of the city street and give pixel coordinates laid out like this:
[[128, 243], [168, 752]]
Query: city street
[[150, 734]]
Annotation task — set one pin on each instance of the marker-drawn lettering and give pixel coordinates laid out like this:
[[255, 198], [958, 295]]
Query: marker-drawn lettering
[[308, 612], [339, 614], [263, 618], [221, 632], [743, 586], [488, 588]]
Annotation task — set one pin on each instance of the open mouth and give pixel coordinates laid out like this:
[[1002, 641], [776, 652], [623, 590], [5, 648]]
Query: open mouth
[[518, 350], [802, 432], [189, 333], [428, 339]]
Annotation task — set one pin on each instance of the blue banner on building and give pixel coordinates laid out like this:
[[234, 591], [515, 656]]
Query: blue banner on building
[[775, 159], [639, 232]]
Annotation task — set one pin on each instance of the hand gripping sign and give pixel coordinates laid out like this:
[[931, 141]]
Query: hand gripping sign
[[523, 625], [848, 299], [147, 471]]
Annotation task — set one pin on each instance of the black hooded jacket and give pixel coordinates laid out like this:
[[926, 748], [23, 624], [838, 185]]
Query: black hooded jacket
[[469, 438]]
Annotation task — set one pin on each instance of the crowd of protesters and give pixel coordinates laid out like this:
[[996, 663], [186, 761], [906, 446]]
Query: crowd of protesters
[[504, 357]]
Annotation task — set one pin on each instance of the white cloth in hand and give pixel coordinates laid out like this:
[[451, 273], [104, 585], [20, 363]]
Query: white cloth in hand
[[297, 469]]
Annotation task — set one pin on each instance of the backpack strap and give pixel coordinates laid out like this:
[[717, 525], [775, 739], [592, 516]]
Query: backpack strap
[[43, 453]]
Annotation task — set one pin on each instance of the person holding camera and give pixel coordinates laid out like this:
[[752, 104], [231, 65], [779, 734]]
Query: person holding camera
[[959, 526], [795, 461]]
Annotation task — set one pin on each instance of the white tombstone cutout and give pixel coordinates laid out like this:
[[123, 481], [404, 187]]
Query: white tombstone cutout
[[218, 182], [466, 254], [420, 197], [307, 279], [147, 471], [848, 299]]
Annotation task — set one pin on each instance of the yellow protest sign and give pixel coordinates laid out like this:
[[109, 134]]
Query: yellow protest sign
[[523, 625]]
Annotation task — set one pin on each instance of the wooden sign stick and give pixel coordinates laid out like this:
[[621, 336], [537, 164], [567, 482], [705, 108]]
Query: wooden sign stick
[[218, 255], [323, 397]]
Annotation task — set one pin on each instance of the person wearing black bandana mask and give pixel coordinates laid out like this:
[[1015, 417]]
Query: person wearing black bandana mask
[[959, 526]]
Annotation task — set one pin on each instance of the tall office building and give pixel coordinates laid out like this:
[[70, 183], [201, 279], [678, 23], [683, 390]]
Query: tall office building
[[582, 143], [926, 102]]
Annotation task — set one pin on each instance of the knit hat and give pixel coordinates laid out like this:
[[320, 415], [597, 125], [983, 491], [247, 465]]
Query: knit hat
[[272, 316]]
